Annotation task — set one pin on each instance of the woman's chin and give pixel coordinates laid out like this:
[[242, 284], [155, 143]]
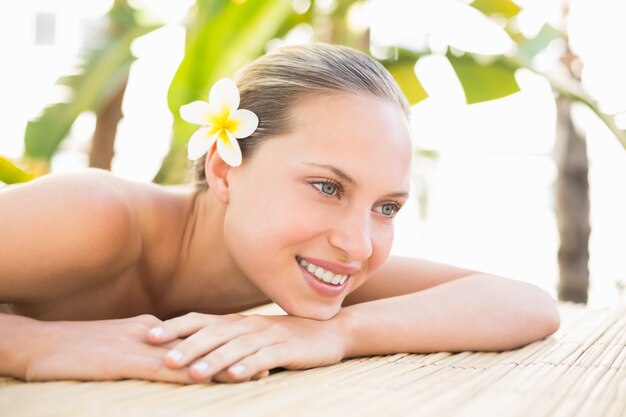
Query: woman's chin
[[314, 313]]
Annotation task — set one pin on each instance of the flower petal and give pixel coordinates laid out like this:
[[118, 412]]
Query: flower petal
[[229, 149], [200, 143], [196, 112], [247, 123], [225, 92]]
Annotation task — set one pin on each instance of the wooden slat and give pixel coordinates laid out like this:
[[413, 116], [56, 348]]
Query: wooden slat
[[580, 371]]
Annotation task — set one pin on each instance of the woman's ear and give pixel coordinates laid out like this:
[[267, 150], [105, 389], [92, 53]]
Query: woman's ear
[[216, 171]]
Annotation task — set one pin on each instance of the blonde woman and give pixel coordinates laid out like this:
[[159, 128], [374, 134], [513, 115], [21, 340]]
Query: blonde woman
[[302, 163]]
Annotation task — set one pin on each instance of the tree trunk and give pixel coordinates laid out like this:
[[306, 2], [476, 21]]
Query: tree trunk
[[572, 206], [103, 140]]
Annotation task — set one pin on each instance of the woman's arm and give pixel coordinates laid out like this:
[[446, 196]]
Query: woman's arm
[[401, 275], [34, 350], [13, 345], [444, 312], [478, 312]]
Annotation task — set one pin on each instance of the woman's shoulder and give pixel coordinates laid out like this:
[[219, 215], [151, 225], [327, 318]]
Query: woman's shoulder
[[90, 207], [91, 194], [85, 184], [67, 230], [96, 188], [123, 218]]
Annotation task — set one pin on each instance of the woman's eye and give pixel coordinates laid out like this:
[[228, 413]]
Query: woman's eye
[[328, 188], [388, 209]]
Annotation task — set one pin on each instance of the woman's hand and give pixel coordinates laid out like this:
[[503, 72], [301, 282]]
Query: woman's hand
[[96, 350], [237, 348]]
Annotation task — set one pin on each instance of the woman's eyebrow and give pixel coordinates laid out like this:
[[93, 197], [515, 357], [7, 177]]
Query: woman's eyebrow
[[336, 170], [343, 175]]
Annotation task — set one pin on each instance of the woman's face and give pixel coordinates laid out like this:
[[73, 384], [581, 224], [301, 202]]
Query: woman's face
[[320, 201]]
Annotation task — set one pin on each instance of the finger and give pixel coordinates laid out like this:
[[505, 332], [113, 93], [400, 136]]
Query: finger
[[230, 353], [152, 369], [210, 338], [170, 345], [223, 376], [154, 351], [177, 327], [195, 346], [266, 358], [184, 326], [261, 374]]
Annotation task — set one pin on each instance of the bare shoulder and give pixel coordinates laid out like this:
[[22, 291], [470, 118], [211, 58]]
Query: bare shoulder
[[401, 275], [65, 231]]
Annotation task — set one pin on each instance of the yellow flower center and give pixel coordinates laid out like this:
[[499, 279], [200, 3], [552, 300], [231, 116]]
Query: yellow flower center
[[222, 121]]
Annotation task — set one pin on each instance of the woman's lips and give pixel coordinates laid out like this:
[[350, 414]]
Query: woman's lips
[[323, 288], [333, 267]]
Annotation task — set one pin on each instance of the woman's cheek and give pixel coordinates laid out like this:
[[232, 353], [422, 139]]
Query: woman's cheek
[[382, 241]]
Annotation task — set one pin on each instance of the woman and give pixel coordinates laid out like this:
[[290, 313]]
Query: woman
[[103, 278]]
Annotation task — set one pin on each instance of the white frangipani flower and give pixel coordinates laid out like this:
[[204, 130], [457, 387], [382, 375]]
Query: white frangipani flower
[[221, 121]]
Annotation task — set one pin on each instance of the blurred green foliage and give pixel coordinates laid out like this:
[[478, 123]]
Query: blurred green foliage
[[223, 35], [104, 69], [11, 173], [483, 81], [402, 68]]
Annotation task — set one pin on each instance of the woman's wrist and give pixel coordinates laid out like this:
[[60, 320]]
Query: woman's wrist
[[24, 337], [343, 321]]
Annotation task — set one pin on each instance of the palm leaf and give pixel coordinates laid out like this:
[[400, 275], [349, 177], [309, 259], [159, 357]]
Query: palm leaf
[[505, 8], [485, 80], [403, 71], [103, 71]]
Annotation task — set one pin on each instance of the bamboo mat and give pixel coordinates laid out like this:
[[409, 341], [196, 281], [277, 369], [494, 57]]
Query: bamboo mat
[[578, 371]]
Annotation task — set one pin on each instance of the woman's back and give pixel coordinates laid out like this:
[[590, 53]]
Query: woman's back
[[85, 245]]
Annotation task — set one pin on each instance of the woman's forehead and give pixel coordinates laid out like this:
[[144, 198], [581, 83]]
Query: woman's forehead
[[364, 137], [353, 124]]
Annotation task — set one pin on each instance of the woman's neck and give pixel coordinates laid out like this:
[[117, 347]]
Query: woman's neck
[[206, 277]]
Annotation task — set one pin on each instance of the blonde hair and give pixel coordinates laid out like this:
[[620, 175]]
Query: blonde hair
[[271, 85]]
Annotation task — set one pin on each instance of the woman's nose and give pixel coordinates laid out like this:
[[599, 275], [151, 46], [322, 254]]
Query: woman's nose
[[351, 234]]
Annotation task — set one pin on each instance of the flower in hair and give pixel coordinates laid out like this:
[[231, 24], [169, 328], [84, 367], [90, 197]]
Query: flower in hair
[[221, 122]]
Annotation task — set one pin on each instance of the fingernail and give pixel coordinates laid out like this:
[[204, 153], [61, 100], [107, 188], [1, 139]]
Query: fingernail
[[237, 369], [157, 331], [175, 355], [200, 367]]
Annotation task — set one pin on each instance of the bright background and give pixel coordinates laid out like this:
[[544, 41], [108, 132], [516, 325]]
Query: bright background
[[490, 191]]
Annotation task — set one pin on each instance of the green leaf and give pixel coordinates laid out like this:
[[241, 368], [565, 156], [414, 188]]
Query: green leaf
[[11, 174], [530, 47], [222, 38], [104, 70], [506, 8], [403, 71], [484, 81]]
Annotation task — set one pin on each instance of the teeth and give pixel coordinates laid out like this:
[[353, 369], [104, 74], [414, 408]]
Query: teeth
[[324, 275]]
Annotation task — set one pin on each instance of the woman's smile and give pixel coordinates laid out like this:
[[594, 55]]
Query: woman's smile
[[327, 282], [328, 272]]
